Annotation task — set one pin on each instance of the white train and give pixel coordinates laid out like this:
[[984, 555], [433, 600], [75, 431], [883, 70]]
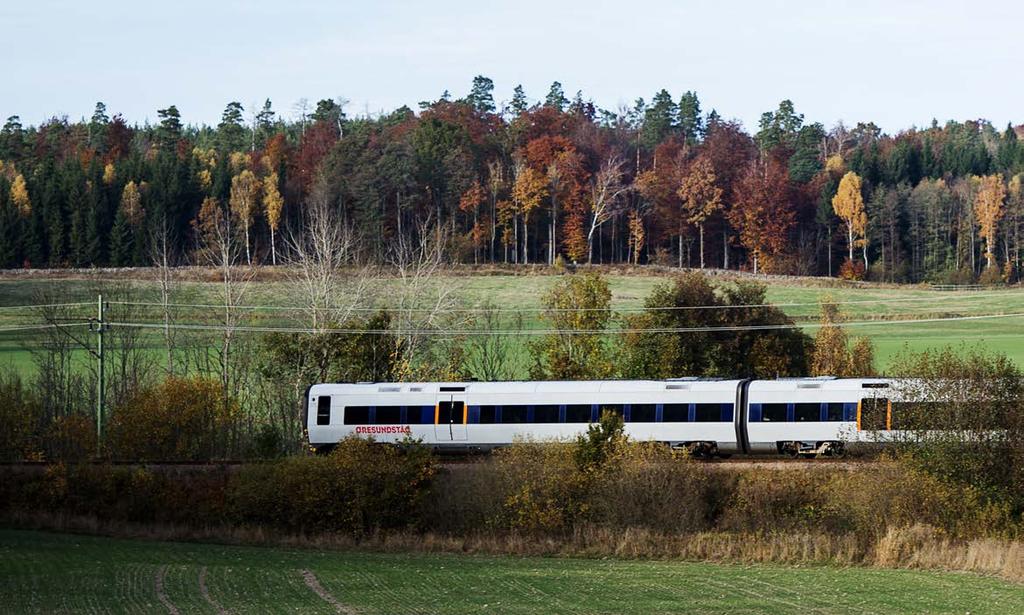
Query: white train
[[798, 416]]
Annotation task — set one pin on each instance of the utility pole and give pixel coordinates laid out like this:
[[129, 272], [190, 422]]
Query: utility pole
[[98, 327]]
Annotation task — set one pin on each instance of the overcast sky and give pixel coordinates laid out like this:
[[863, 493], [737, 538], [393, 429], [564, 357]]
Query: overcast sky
[[895, 63]]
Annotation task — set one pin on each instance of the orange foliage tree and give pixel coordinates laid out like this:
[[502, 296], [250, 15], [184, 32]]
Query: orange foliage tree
[[988, 208], [762, 214]]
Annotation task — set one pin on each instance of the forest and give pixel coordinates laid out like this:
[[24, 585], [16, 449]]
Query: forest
[[561, 180]]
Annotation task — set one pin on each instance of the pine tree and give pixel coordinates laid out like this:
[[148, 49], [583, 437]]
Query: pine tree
[[556, 97], [481, 96], [690, 121], [230, 131], [122, 246], [518, 105]]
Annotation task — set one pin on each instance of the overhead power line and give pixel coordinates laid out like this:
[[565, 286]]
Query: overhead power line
[[292, 308], [515, 332]]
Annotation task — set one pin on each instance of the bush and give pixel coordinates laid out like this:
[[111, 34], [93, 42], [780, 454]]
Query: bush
[[179, 419], [542, 489], [20, 413], [992, 276], [851, 270], [360, 487]]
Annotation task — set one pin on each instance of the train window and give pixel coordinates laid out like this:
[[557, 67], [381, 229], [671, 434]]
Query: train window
[[613, 408], [419, 415], [874, 414], [488, 414], [807, 412], [513, 414], [323, 410], [643, 413], [357, 415], [545, 414], [388, 415], [675, 413], [834, 411], [708, 413], [773, 413], [577, 413]]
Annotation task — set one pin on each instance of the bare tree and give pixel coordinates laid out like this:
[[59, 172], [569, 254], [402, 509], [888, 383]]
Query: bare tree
[[606, 190], [318, 252], [219, 248], [425, 303], [164, 259]]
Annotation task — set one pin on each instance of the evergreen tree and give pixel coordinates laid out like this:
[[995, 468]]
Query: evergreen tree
[[122, 246], [661, 119], [690, 121], [518, 105], [230, 131], [11, 139], [556, 97], [98, 128], [169, 131], [481, 96]]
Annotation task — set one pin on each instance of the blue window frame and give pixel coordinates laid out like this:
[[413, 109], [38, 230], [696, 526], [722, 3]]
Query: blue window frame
[[755, 413]]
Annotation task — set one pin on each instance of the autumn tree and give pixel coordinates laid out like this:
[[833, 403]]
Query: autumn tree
[[244, 193], [762, 212], [848, 203], [577, 309], [470, 202], [19, 196], [528, 190], [606, 191], [988, 209], [273, 203], [831, 355], [701, 197]]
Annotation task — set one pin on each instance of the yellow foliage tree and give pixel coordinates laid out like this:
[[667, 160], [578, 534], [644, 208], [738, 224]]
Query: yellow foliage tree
[[131, 203], [528, 190], [831, 356], [988, 208], [848, 204], [273, 203], [245, 189], [109, 173], [701, 197], [19, 196], [637, 236], [835, 164]]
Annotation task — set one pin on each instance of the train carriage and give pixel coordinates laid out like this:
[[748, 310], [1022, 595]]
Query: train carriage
[[709, 416]]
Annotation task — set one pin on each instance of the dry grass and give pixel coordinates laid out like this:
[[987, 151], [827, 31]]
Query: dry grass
[[917, 547]]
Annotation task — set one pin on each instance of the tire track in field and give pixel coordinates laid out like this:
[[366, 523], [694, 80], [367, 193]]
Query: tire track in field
[[205, 591], [160, 595], [314, 584]]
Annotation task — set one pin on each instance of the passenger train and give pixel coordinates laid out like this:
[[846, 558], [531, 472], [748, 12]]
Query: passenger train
[[797, 416]]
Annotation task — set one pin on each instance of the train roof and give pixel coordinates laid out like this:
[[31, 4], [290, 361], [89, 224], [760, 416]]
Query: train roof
[[585, 386]]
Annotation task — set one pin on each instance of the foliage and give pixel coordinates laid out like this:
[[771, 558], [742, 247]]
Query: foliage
[[359, 487], [20, 413], [704, 336], [832, 354], [577, 311], [601, 441], [966, 425], [179, 419]]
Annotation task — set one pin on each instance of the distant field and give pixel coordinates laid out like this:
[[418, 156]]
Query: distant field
[[44, 573], [798, 298]]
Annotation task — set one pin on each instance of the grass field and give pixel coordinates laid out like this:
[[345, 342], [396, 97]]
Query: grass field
[[913, 306], [44, 573]]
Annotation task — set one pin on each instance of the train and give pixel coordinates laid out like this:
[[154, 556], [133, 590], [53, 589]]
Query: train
[[817, 416]]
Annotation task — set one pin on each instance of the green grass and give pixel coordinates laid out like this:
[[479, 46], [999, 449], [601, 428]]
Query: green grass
[[43, 573], [517, 292]]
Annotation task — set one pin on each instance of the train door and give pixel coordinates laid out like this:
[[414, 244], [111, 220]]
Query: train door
[[873, 414], [450, 418]]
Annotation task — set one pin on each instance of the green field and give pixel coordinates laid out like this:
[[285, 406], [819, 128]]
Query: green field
[[913, 306], [44, 573]]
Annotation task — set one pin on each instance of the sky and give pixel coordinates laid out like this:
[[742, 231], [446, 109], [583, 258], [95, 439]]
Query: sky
[[897, 63]]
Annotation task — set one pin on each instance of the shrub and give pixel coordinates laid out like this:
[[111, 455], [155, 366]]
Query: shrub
[[19, 415], [179, 419], [360, 487], [71, 438], [851, 270], [542, 488], [992, 276]]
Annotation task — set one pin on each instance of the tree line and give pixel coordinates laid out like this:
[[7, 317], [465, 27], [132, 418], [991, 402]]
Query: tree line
[[660, 182]]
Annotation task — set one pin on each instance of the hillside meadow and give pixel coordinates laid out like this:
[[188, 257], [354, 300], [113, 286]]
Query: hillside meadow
[[869, 308]]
